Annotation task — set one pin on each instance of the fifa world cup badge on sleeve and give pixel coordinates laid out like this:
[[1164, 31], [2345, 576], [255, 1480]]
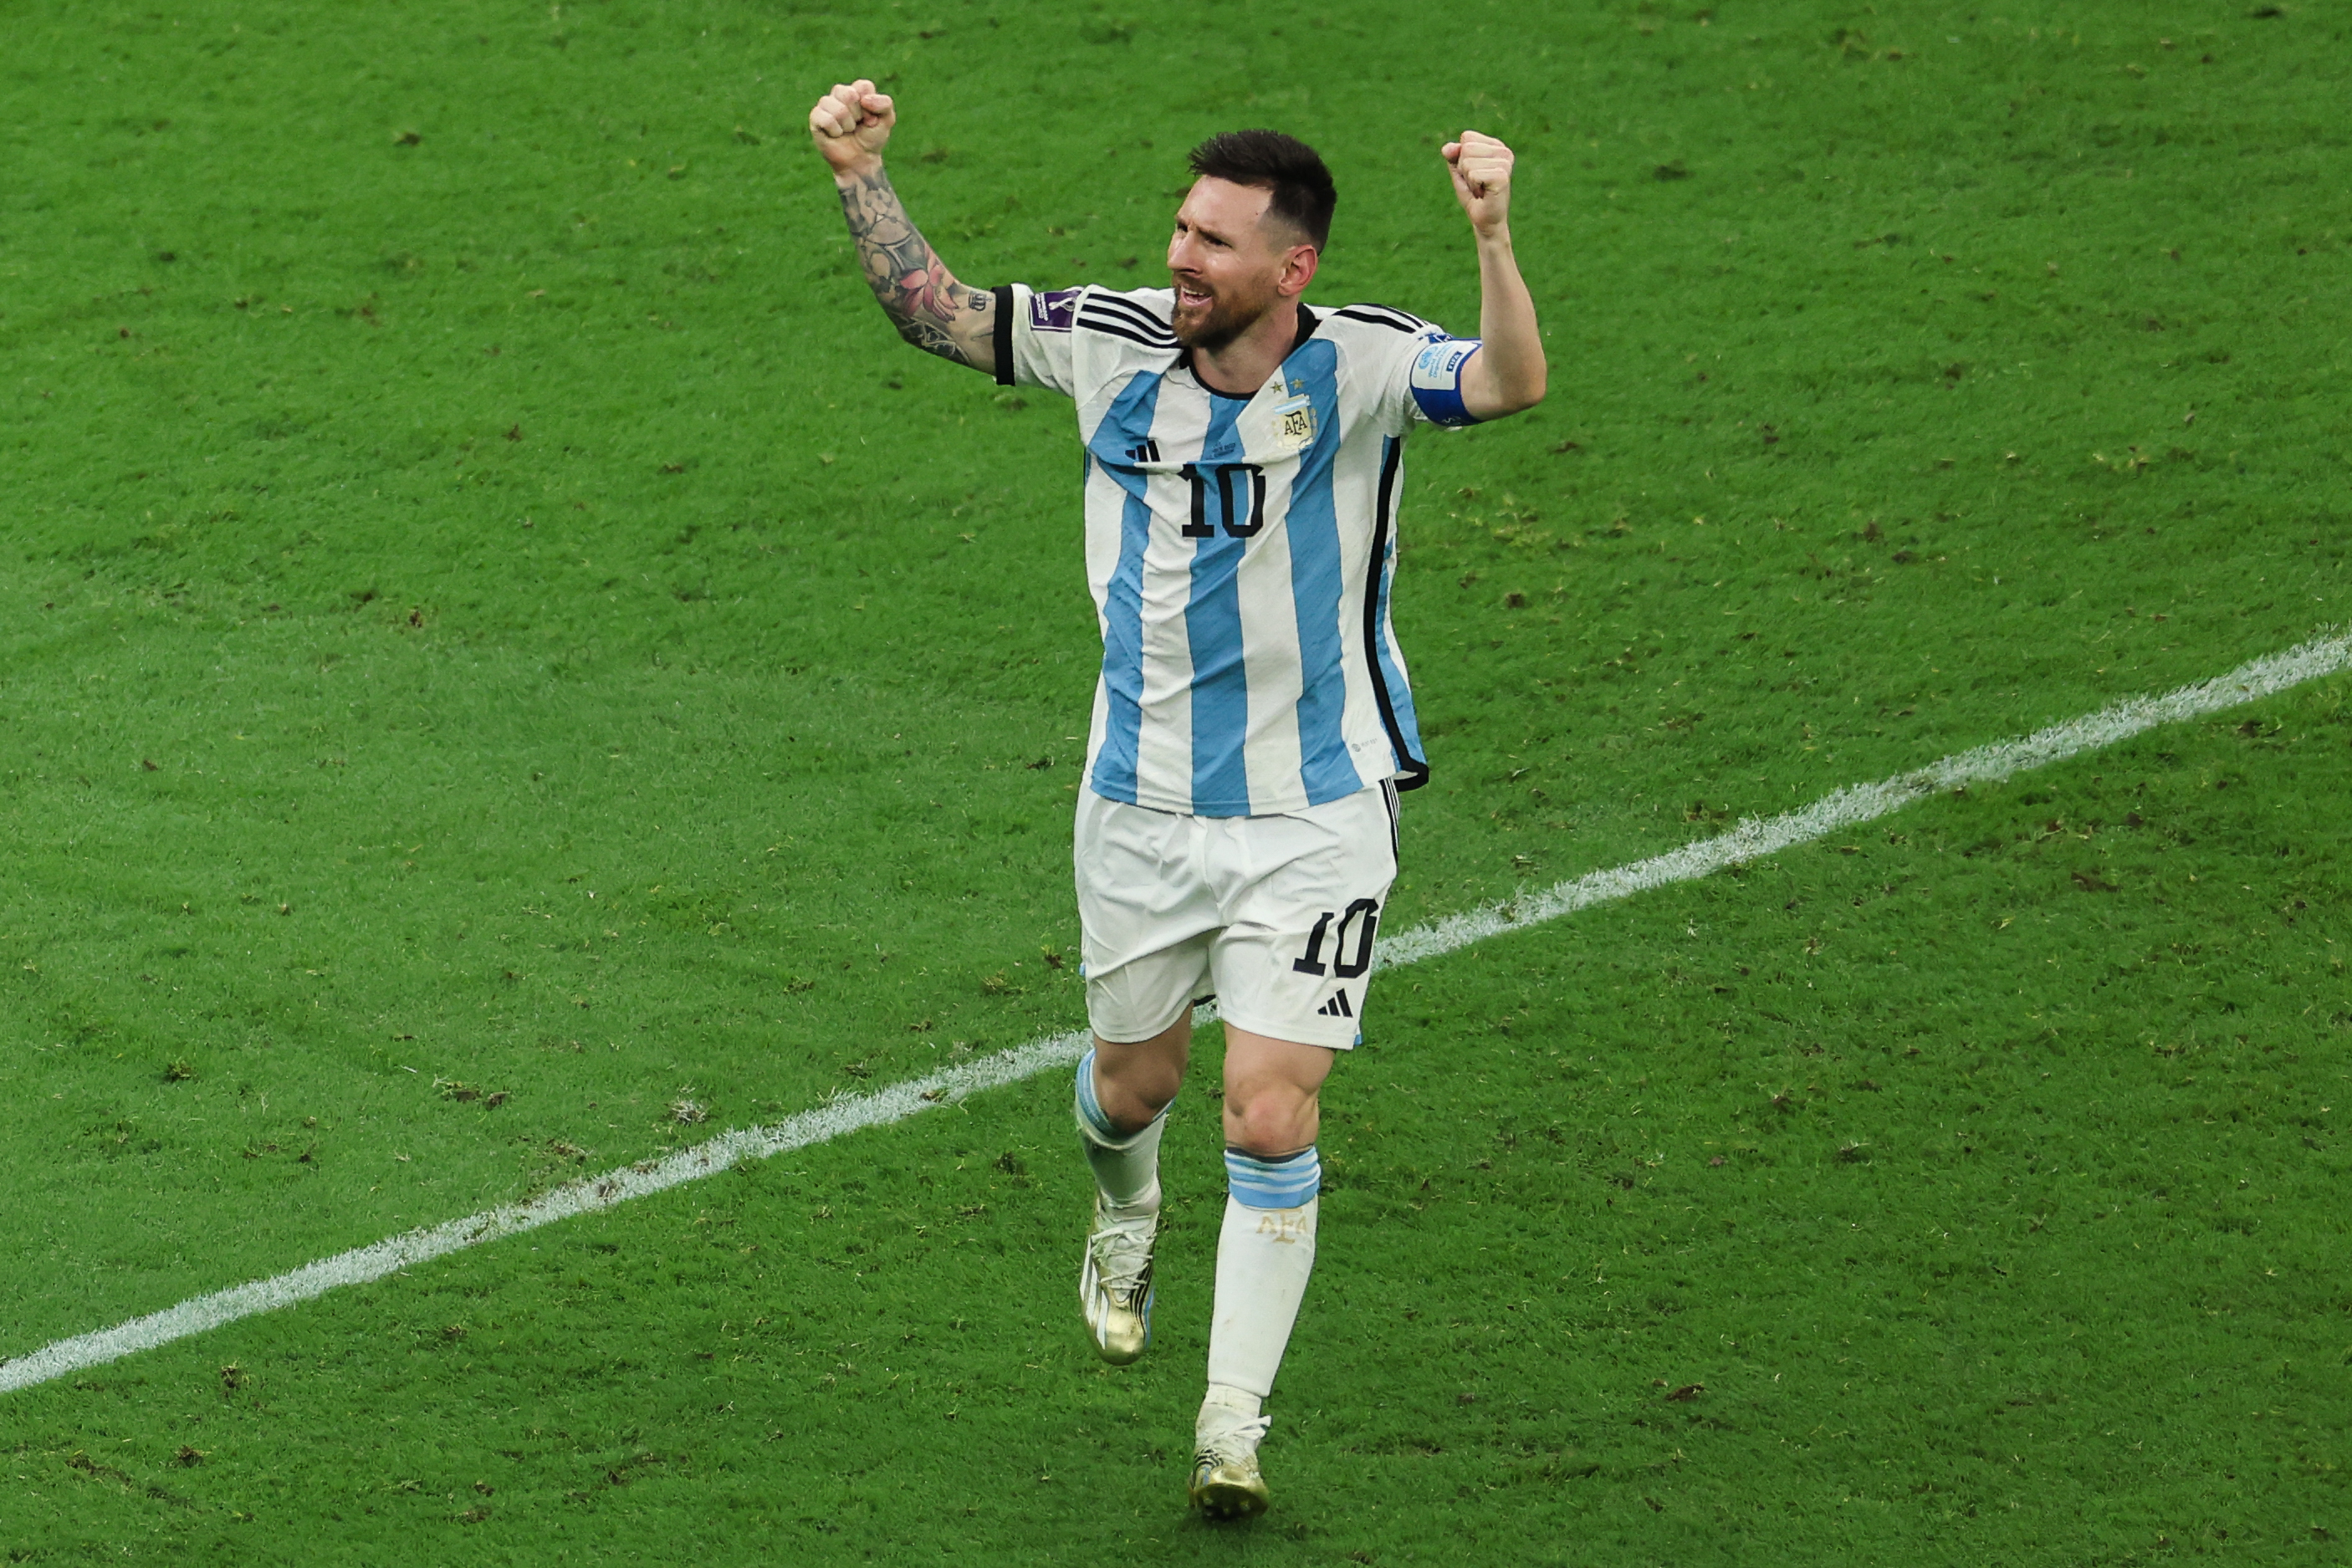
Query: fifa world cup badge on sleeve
[[1437, 380], [1054, 311]]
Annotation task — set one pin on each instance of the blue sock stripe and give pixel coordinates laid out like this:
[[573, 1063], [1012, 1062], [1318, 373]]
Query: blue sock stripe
[[1290, 1182], [1089, 1108], [1098, 1123]]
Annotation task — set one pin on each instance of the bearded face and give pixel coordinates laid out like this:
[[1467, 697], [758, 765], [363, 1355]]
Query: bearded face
[[1226, 261], [1209, 316]]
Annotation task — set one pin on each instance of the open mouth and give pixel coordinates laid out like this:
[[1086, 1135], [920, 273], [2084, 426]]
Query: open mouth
[[1189, 298]]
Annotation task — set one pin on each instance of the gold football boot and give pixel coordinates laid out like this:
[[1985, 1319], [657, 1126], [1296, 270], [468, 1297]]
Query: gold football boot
[[1115, 1285], [1226, 1480]]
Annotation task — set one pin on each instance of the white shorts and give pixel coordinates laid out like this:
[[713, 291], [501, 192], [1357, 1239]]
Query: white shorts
[[1273, 915]]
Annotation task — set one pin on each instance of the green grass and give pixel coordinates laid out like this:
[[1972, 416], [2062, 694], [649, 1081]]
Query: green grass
[[703, 597]]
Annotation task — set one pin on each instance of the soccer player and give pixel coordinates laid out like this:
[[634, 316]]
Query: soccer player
[[1236, 832]]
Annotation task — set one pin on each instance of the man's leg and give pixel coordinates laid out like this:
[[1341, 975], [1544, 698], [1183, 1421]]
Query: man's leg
[[1121, 1103], [1145, 926], [1123, 1092], [1265, 1253]]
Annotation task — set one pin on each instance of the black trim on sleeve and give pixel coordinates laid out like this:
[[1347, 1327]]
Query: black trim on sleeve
[[1416, 770], [1004, 293]]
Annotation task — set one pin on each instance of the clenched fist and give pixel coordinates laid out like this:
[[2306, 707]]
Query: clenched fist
[[850, 124], [1481, 167]]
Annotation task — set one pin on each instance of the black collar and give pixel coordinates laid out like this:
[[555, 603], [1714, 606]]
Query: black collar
[[1307, 325]]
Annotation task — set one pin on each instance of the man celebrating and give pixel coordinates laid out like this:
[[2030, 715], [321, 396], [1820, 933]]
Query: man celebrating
[[1252, 724]]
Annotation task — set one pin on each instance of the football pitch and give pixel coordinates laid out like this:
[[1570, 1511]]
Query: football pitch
[[509, 671]]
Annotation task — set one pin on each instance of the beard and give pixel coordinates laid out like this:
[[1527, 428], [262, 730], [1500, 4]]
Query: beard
[[1225, 317]]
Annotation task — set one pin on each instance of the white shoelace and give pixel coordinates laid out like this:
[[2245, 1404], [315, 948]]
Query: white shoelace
[[1235, 1439], [1121, 1249]]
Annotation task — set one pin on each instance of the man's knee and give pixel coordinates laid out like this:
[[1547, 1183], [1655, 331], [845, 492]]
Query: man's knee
[[1270, 1119], [1132, 1098], [1135, 1082]]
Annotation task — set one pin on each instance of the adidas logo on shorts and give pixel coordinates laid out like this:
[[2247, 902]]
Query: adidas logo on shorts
[[1336, 1008]]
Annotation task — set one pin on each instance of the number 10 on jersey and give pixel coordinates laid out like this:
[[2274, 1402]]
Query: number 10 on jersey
[[1235, 482]]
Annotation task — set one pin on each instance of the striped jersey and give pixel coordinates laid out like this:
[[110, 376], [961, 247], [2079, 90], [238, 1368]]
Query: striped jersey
[[1240, 550]]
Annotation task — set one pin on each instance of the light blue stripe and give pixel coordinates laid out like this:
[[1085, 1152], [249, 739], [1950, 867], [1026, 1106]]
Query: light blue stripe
[[1290, 1183], [1127, 425], [1312, 525], [1212, 628], [1392, 674], [1090, 1109]]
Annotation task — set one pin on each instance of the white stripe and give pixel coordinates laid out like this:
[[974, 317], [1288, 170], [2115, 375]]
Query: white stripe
[[1859, 803], [1846, 807], [1163, 750], [1269, 618], [827, 1121], [1355, 483]]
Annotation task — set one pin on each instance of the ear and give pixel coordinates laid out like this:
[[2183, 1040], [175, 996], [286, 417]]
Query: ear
[[1297, 271]]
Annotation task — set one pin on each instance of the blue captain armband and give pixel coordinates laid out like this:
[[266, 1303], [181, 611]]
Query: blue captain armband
[[1437, 380]]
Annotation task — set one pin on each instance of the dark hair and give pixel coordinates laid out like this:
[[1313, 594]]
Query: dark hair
[[1272, 161]]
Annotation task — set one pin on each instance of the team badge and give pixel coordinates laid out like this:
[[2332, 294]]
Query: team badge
[[1293, 425]]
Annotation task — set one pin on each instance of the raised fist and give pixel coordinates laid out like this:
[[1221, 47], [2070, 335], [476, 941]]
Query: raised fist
[[1481, 167], [850, 126]]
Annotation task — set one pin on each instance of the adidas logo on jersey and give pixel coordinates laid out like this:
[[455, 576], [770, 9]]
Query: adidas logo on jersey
[[1336, 1008]]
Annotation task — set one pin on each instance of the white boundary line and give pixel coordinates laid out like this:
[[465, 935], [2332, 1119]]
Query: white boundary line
[[1752, 838]]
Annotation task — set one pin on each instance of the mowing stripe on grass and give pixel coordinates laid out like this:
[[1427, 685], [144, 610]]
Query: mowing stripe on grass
[[1753, 837]]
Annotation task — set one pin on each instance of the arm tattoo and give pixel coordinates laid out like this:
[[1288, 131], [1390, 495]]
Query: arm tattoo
[[930, 307]]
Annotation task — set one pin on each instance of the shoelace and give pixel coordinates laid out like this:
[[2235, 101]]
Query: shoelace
[[1122, 1250], [1238, 1441]]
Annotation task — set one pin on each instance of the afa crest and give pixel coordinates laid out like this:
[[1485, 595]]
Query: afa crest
[[1294, 425]]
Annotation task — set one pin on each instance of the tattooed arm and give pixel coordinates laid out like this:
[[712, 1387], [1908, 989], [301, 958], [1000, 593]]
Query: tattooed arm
[[931, 308]]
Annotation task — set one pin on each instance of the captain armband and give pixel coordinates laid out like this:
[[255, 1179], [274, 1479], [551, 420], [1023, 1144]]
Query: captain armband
[[1437, 380]]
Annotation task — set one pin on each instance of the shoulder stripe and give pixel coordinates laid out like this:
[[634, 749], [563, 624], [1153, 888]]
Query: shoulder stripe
[[1127, 327], [1108, 329], [1382, 316], [1108, 320], [1116, 305]]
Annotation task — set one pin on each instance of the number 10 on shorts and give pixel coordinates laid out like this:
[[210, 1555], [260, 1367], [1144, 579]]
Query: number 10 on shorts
[[1363, 916]]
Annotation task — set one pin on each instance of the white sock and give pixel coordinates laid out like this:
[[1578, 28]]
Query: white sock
[[1265, 1253], [1224, 1407], [1126, 1165]]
